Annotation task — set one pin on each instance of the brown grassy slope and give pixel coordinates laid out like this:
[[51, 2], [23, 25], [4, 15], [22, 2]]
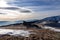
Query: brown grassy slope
[[39, 34]]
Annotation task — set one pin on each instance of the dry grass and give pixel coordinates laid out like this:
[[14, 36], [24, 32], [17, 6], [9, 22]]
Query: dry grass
[[39, 35]]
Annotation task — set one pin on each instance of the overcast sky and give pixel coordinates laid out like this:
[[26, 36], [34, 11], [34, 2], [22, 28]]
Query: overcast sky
[[40, 5], [41, 8]]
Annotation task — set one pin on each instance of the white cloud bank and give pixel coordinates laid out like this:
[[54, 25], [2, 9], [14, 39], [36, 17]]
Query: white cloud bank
[[20, 13]]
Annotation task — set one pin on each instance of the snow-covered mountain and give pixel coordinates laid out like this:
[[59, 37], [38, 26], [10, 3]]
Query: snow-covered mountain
[[51, 19]]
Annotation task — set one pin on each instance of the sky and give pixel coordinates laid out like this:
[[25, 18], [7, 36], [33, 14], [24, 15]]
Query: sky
[[38, 5], [41, 8]]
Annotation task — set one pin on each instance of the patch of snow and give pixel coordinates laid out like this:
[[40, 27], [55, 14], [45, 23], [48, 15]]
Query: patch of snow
[[52, 28], [24, 33]]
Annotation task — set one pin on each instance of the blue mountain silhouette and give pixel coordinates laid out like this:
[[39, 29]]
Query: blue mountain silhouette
[[51, 19]]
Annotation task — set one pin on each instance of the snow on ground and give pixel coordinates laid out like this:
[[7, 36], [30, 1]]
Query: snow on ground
[[24, 33], [52, 28]]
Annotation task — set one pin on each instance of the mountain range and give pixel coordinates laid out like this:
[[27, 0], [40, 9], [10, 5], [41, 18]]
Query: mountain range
[[50, 19]]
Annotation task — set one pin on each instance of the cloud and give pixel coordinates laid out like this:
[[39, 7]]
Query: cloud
[[3, 3], [44, 14], [15, 13], [43, 8], [34, 2]]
